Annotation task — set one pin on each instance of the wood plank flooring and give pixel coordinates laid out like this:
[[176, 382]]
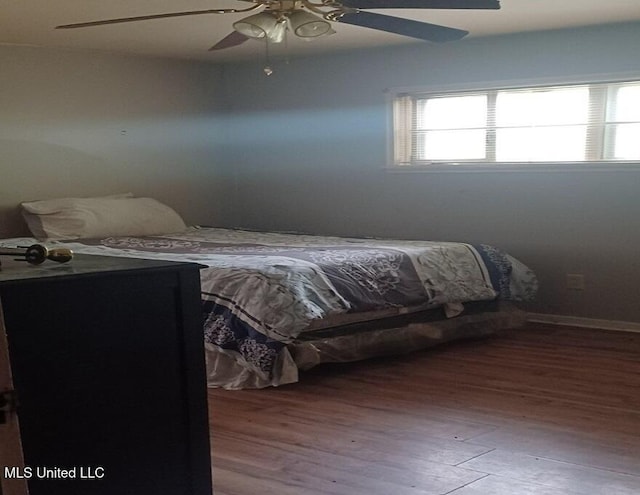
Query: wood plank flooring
[[538, 411]]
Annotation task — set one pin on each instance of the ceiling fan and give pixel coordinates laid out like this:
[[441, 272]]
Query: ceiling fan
[[311, 19]]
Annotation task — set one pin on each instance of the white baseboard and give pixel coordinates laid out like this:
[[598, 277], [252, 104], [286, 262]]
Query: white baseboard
[[576, 321]]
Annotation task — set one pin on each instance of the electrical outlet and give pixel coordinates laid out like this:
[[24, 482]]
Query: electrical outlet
[[575, 281]]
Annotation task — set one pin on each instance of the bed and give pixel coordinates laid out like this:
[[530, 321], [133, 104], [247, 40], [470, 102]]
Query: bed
[[277, 303]]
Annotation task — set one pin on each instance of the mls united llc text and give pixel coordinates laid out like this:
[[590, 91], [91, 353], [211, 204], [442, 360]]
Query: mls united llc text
[[54, 473]]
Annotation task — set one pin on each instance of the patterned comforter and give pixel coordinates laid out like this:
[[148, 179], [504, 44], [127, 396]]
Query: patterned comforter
[[261, 290]]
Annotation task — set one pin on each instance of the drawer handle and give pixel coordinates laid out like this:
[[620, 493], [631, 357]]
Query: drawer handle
[[8, 404]]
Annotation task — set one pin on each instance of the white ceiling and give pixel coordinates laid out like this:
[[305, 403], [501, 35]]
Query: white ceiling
[[32, 22]]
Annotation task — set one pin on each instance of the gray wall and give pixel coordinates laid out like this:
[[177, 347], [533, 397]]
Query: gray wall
[[81, 124], [305, 149], [307, 146]]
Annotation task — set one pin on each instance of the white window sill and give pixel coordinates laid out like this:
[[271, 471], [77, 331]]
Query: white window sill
[[469, 167]]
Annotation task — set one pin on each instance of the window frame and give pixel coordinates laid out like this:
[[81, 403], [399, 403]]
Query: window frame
[[491, 88]]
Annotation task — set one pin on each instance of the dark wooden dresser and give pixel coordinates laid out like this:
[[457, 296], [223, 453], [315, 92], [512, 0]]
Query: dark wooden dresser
[[107, 361]]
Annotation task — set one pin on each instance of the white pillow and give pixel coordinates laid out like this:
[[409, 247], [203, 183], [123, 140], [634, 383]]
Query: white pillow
[[120, 215]]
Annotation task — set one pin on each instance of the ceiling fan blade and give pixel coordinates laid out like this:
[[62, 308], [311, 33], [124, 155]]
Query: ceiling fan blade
[[138, 18], [233, 39], [406, 27], [421, 4]]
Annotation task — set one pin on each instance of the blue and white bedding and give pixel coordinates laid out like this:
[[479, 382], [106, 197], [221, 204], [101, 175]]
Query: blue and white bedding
[[262, 290]]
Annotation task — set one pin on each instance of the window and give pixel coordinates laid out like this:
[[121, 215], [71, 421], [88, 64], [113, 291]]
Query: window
[[551, 124]]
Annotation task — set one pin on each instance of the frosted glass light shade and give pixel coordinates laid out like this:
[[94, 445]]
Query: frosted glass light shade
[[262, 25], [306, 25]]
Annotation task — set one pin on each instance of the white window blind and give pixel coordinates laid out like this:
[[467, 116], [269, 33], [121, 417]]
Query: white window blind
[[551, 124]]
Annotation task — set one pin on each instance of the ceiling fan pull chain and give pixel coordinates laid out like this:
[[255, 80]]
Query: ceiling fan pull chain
[[286, 49], [268, 70]]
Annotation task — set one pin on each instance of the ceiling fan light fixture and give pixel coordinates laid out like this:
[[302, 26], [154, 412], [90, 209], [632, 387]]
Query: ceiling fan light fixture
[[307, 25], [262, 25]]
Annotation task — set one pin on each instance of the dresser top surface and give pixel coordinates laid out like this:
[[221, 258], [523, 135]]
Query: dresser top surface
[[15, 271]]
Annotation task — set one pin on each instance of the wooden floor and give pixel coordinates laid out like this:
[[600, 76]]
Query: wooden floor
[[540, 411]]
